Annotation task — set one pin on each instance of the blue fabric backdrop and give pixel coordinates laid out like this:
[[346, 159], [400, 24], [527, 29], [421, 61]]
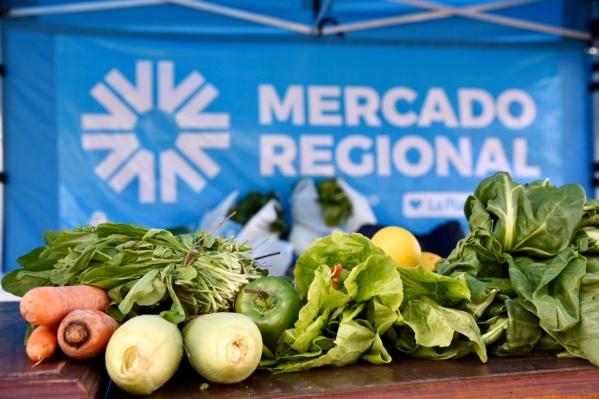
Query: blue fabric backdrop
[[155, 120]]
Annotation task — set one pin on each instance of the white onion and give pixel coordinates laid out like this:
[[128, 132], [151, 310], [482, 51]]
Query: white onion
[[143, 354], [223, 347]]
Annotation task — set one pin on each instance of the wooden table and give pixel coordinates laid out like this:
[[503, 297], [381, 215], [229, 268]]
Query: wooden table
[[518, 377]]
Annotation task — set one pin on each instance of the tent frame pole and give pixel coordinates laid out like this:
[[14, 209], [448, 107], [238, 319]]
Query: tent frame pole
[[436, 11], [244, 15], [470, 12], [78, 7]]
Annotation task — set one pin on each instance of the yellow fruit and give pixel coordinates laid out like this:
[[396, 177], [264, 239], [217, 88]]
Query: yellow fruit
[[400, 244], [428, 259]]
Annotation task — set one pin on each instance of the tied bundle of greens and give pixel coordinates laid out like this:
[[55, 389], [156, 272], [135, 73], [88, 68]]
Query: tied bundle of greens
[[531, 261], [144, 270], [377, 307]]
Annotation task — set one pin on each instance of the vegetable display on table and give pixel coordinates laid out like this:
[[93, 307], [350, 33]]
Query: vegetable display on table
[[523, 280], [87, 281]]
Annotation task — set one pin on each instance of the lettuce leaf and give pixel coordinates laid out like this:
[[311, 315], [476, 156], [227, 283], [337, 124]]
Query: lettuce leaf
[[348, 250], [337, 327], [440, 330], [377, 307]]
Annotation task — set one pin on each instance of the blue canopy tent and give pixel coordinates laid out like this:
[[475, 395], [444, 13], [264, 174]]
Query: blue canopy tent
[[444, 93]]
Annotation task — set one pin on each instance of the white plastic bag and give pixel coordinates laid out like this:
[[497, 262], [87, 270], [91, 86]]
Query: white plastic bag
[[258, 227], [307, 217], [213, 218], [274, 255], [256, 232], [362, 212]]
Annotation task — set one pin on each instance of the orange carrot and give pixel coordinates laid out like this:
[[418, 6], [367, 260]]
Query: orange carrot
[[41, 344], [44, 306], [84, 333]]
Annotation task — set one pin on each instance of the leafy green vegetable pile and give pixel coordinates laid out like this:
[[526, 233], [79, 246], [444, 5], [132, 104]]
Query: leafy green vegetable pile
[[531, 262], [378, 306], [524, 280], [144, 270]]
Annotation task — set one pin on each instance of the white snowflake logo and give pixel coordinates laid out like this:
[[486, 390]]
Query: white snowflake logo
[[133, 110]]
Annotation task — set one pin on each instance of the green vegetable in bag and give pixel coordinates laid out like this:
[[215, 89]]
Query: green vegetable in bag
[[336, 205]]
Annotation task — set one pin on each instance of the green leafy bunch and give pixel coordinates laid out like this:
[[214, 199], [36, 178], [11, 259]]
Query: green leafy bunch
[[144, 270], [378, 308], [531, 261]]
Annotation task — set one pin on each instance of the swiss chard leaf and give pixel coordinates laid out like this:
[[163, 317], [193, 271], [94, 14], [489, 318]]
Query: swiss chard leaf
[[590, 217], [479, 254], [553, 286], [522, 331], [539, 233], [536, 219], [582, 340]]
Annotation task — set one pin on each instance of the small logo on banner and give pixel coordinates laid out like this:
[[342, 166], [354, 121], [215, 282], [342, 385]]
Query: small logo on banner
[[136, 132], [434, 204]]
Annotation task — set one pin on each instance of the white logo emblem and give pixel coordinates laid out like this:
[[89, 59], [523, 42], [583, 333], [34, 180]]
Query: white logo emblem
[[133, 111]]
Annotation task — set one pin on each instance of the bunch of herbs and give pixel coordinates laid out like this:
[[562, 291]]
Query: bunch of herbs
[[145, 270]]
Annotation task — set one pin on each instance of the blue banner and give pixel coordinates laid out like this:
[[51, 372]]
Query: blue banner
[[158, 132]]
